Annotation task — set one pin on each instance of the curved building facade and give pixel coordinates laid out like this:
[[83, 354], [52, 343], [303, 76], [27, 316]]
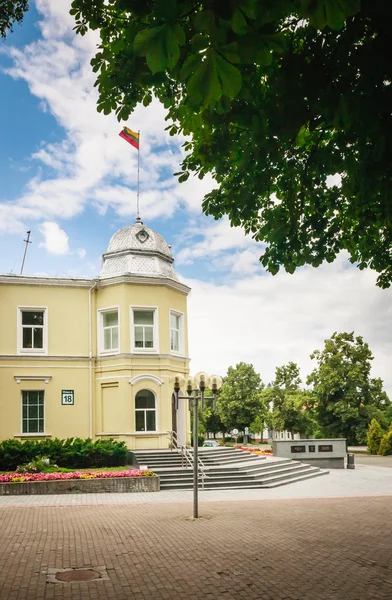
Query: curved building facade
[[94, 357]]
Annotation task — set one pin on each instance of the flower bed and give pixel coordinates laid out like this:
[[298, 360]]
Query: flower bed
[[79, 481], [255, 451], [20, 478]]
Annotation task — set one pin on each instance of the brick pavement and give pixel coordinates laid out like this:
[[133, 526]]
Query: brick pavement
[[309, 549]]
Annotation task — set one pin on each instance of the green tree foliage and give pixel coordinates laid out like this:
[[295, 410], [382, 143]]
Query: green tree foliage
[[239, 401], [277, 96], [210, 421], [71, 453], [289, 403], [257, 426], [11, 11], [386, 444], [346, 397], [374, 436]]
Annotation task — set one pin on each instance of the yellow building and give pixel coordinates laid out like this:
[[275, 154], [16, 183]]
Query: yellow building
[[94, 357]]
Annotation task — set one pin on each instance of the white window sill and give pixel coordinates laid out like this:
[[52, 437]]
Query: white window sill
[[32, 435], [144, 351], [134, 433], [33, 352], [109, 352]]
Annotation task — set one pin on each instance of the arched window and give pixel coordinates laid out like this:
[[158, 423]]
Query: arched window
[[145, 412]]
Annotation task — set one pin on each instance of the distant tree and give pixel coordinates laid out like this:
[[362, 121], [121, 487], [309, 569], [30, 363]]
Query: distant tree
[[386, 443], [240, 401], [257, 426], [289, 403], [210, 420], [374, 436], [11, 11], [346, 397]]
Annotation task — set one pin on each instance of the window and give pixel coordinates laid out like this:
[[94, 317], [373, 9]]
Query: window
[[109, 331], [145, 413], [33, 330], [32, 412], [144, 335], [176, 336]]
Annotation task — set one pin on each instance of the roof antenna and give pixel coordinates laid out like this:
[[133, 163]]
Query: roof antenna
[[25, 252]]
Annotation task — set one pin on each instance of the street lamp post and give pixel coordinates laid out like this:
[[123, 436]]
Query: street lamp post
[[195, 388]]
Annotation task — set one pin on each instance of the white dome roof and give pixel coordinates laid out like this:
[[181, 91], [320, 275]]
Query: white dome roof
[[138, 250], [138, 237]]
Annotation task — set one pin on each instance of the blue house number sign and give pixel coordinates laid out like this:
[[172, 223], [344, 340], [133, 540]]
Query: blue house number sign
[[67, 396]]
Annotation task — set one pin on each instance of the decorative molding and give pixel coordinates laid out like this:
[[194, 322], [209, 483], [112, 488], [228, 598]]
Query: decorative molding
[[145, 377], [145, 280], [45, 378], [136, 433], [50, 281], [142, 355], [39, 357], [100, 283]]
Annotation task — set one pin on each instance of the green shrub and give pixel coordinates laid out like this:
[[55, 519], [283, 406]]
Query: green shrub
[[374, 436], [201, 439], [38, 465], [386, 444], [74, 453]]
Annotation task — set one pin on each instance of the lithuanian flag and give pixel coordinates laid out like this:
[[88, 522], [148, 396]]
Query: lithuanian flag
[[130, 136]]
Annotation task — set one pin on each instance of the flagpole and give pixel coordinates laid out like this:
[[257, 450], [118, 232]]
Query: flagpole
[[138, 179]]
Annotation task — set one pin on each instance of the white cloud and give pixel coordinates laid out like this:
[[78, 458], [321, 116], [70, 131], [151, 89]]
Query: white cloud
[[81, 252], [91, 163], [269, 321], [56, 240], [218, 237]]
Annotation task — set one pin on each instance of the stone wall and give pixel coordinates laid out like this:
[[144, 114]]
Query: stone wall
[[82, 486], [325, 453]]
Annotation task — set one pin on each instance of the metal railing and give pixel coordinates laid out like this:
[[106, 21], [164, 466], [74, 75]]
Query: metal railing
[[187, 458]]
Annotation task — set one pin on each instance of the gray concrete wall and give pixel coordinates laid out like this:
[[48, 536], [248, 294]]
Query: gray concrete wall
[[326, 453], [82, 486]]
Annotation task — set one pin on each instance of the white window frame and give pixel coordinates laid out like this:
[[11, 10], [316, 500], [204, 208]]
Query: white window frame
[[33, 351], [147, 409], [155, 348], [181, 337], [27, 433], [101, 348]]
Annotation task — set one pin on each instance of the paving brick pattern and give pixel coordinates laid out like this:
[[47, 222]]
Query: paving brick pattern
[[309, 549]]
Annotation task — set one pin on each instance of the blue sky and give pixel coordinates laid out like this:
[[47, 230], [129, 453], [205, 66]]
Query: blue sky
[[68, 177]]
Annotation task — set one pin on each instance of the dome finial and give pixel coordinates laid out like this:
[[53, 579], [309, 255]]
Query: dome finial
[[138, 220]]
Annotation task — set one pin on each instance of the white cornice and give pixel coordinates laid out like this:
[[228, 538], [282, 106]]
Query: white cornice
[[143, 356], [49, 281], [145, 280], [39, 357], [88, 283], [19, 378], [145, 377]]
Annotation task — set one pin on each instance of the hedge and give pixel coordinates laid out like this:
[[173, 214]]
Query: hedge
[[74, 453]]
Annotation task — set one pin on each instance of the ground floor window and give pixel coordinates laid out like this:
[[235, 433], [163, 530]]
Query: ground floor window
[[145, 411], [33, 411]]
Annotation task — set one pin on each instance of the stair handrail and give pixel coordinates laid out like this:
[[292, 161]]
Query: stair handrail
[[187, 453], [178, 445]]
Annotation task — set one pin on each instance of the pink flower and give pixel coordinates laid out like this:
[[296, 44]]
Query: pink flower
[[11, 477]]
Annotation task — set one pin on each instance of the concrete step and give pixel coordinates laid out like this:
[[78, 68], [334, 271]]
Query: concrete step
[[271, 478], [234, 472], [244, 484], [226, 469]]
